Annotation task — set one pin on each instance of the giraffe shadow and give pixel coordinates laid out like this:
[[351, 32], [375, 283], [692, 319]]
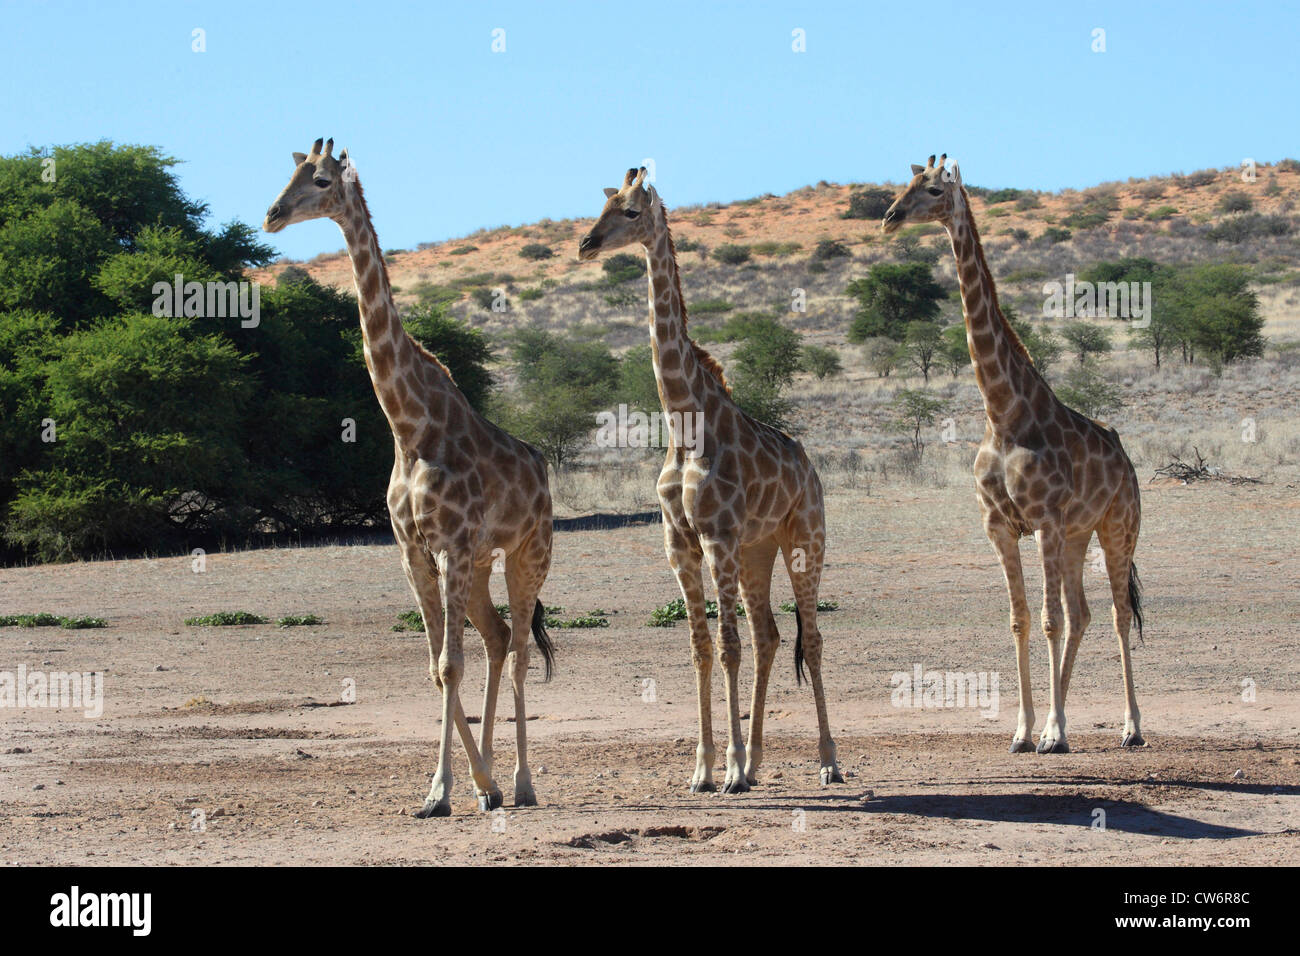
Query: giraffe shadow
[[604, 521], [1068, 810]]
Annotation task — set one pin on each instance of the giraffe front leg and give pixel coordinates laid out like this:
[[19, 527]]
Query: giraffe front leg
[[685, 558], [723, 555], [756, 588], [1051, 544], [1007, 545], [496, 641], [454, 583]]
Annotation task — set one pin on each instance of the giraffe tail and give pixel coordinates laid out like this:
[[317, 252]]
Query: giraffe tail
[[542, 639], [1135, 597], [798, 646]]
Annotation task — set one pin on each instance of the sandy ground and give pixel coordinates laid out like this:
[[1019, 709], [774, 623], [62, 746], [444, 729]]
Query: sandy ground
[[225, 727]]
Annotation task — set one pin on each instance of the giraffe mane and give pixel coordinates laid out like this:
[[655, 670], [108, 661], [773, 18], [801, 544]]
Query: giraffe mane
[[702, 356], [1012, 337], [383, 272]]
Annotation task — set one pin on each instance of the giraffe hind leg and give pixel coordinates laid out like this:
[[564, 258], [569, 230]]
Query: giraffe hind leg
[[1118, 543]]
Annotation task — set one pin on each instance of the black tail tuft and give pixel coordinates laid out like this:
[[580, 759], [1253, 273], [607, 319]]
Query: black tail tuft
[[798, 646], [1135, 598], [542, 639]]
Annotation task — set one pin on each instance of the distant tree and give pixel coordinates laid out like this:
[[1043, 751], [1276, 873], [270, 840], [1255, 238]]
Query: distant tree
[[922, 345], [623, 267], [564, 382], [1218, 313], [1086, 390], [872, 202], [768, 354], [890, 296], [732, 255], [1086, 338], [821, 362], [954, 354], [914, 410], [536, 251], [830, 249], [882, 354]]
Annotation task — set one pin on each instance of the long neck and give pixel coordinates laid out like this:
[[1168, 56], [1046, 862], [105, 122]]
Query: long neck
[[389, 351], [1003, 369], [679, 365]]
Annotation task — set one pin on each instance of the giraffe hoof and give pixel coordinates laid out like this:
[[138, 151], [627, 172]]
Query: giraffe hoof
[[433, 808], [704, 786], [525, 798], [1047, 746], [1133, 740], [831, 775], [490, 801], [1021, 745], [739, 785]]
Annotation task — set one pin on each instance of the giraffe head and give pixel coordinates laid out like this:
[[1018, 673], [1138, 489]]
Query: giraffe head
[[933, 195], [629, 216], [315, 190]]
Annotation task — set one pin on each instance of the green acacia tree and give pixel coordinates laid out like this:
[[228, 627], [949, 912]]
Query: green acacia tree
[[892, 295]]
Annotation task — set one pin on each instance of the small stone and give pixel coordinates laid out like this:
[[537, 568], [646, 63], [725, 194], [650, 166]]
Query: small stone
[[218, 812], [1237, 775], [160, 668], [990, 846], [777, 775], [39, 786]]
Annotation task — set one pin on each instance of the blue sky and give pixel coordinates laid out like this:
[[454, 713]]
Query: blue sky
[[449, 136]]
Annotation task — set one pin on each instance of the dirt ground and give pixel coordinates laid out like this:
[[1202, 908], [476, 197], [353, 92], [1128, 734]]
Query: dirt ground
[[215, 747]]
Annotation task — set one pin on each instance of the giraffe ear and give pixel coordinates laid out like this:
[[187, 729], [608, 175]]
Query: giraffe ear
[[657, 208], [299, 159], [917, 170], [610, 191]]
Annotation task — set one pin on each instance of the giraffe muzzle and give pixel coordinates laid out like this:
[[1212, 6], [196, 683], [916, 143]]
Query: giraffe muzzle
[[588, 247], [269, 224], [893, 219]]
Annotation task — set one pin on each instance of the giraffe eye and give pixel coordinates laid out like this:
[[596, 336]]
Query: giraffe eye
[[321, 182], [934, 191], [631, 213]]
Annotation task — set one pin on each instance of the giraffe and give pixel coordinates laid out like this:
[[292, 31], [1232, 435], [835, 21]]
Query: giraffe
[[732, 497], [463, 494], [1042, 468]]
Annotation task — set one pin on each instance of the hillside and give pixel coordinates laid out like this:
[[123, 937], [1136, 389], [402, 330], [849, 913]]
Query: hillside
[[846, 421], [1168, 219]]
